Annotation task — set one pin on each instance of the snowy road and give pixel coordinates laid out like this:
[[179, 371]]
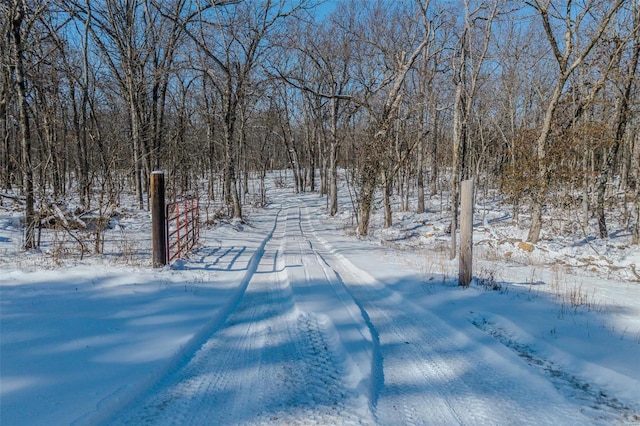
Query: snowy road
[[312, 338]]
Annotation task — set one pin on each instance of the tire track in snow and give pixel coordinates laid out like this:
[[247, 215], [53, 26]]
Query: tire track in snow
[[332, 394], [210, 382], [434, 373], [601, 406], [275, 360], [373, 365], [111, 410], [318, 394], [211, 379]]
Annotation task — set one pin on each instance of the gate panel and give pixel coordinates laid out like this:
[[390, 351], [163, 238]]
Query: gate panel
[[183, 227]]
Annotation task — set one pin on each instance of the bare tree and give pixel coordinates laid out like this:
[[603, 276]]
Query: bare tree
[[325, 51], [465, 77], [568, 54], [232, 38], [22, 18], [6, 92], [428, 112], [117, 29], [138, 44], [624, 88], [384, 117]]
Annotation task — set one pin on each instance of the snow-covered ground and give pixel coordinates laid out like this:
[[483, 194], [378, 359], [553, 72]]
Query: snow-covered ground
[[290, 319]]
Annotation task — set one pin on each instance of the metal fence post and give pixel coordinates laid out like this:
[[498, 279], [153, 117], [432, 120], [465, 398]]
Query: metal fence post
[[158, 220], [466, 234]]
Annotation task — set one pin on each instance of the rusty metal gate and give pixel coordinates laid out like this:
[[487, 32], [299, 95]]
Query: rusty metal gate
[[183, 227]]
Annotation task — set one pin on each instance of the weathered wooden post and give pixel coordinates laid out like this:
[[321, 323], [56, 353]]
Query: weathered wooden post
[[158, 220], [466, 234]]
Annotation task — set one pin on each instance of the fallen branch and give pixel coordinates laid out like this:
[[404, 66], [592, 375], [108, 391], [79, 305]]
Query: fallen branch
[[20, 198]]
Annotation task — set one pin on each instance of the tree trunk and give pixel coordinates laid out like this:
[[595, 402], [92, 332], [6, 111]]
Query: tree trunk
[[369, 171], [420, 185], [333, 159], [455, 166], [311, 150], [333, 185], [619, 127], [79, 129], [635, 236], [323, 166], [324, 172], [230, 178], [603, 179], [5, 163], [585, 187], [367, 189], [82, 128], [386, 190], [25, 133], [540, 194], [433, 154], [420, 174], [212, 156], [135, 136]]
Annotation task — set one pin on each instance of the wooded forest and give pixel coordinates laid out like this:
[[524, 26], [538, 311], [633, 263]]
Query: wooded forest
[[536, 99]]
